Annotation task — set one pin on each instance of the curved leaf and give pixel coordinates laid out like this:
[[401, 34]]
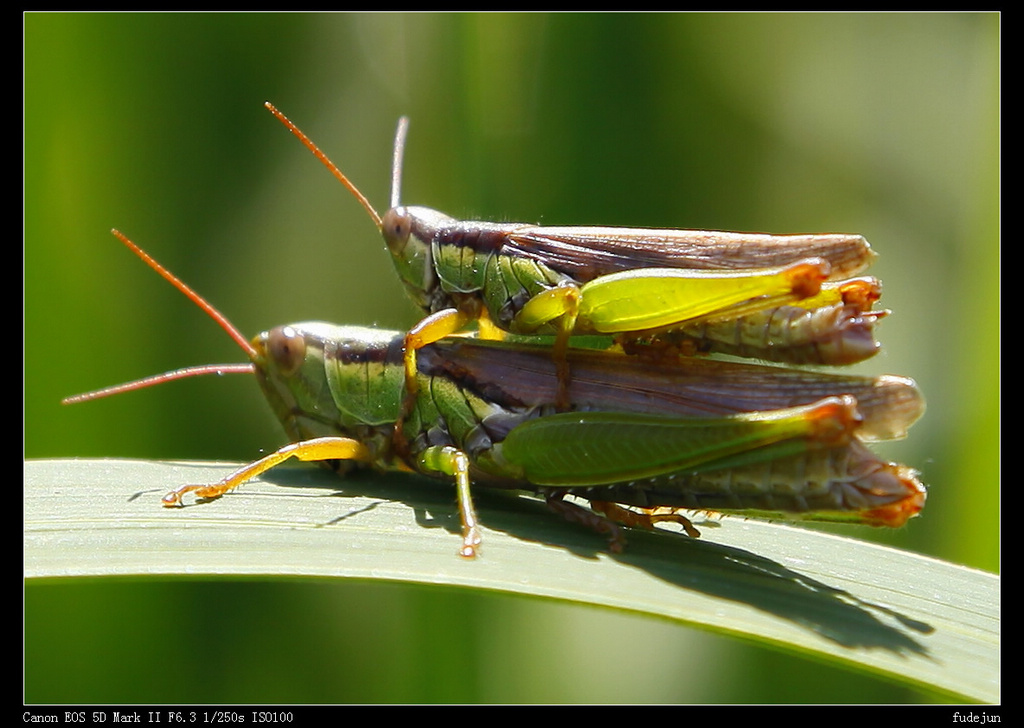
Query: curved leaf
[[908, 617]]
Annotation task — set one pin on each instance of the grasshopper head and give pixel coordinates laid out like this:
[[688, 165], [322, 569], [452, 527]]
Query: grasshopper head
[[322, 379], [409, 233], [289, 367]]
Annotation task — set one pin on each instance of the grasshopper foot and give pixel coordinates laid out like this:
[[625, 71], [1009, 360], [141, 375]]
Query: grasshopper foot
[[470, 541], [645, 517]]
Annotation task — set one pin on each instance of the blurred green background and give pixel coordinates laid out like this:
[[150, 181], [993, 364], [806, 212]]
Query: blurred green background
[[884, 125]]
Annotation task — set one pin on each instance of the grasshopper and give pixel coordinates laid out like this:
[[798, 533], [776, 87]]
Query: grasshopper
[[776, 297], [642, 442]]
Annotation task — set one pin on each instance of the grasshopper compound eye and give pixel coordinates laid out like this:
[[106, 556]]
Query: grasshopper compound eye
[[396, 228], [287, 349]]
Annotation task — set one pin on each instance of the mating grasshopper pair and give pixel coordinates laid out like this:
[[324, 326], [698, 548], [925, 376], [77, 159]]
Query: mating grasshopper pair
[[640, 437]]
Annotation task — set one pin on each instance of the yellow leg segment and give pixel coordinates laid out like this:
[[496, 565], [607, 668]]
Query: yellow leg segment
[[433, 328], [488, 330], [560, 302], [321, 448]]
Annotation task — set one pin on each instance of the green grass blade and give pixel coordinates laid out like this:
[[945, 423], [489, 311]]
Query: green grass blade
[[898, 615]]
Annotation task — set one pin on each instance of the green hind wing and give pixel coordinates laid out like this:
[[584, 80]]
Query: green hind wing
[[599, 448]]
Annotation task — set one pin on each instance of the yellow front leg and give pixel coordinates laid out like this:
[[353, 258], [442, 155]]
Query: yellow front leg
[[433, 328], [321, 448]]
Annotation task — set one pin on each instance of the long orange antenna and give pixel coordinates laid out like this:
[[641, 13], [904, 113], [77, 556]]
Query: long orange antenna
[[216, 315], [160, 379], [194, 297], [327, 163]]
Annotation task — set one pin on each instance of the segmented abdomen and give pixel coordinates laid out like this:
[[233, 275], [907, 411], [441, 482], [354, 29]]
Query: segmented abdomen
[[847, 483], [829, 335]]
